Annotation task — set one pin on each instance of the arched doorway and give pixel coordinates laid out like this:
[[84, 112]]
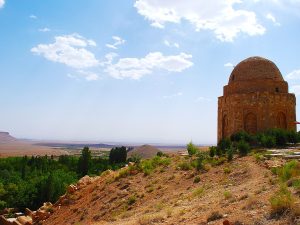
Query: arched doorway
[[281, 121], [250, 123], [225, 126]]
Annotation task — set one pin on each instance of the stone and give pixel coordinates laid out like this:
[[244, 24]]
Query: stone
[[255, 99], [71, 188]]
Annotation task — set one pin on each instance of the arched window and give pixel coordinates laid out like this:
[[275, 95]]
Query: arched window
[[250, 123]]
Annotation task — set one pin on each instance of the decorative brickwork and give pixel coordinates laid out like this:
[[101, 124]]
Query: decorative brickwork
[[255, 99]]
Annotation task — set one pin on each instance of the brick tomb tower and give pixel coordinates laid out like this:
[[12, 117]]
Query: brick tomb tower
[[255, 99]]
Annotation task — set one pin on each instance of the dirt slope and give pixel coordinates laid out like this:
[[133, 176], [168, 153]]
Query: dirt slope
[[170, 196]]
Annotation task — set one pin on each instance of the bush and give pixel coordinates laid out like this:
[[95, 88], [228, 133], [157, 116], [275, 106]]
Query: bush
[[289, 170], [241, 136], [230, 154], [149, 165], [281, 201], [136, 158], [185, 165], [199, 161], [224, 144], [280, 136], [192, 149], [160, 154], [131, 200], [197, 179], [243, 148], [292, 137], [212, 151], [267, 141]]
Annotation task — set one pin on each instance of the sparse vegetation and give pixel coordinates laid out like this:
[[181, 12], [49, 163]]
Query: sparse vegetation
[[197, 179], [192, 149], [281, 201]]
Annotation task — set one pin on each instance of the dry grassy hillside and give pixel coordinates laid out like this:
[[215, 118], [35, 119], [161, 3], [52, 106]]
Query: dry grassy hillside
[[172, 192]]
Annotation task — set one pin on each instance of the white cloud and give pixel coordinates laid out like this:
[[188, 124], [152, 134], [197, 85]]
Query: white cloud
[[173, 95], [69, 50], [88, 75], [220, 16], [203, 99], [294, 75], [2, 2], [118, 41], [169, 44], [295, 89], [45, 29], [228, 65], [269, 16], [34, 17], [136, 68]]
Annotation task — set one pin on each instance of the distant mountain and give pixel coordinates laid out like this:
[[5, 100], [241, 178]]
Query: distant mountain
[[5, 138], [145, 151], [73, 145]]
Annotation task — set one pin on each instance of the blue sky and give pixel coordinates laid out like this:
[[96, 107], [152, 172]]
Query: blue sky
[[146, 71]]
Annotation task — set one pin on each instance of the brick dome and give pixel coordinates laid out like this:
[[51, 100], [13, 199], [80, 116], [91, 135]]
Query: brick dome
[[255, 68]]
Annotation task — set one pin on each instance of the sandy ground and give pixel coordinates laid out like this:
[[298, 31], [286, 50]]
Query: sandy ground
[[21, 148]]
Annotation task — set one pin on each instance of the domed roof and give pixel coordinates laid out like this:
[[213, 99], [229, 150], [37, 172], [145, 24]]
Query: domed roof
[[255, 68]]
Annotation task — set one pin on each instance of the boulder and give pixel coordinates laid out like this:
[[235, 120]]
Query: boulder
[[25, 220]]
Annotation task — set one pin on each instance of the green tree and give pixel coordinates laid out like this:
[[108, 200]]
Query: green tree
[[118, 155], [191, 148], [84, 161]]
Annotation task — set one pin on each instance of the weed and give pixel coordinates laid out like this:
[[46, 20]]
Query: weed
[[198, 192], [185, 166], [281, 201], [197, 179], [214, 216], [131, 200], [227, 194], [227, 170]]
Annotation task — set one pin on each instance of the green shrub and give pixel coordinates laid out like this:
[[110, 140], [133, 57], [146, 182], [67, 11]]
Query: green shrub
[[289, 170], [131, 200], [185, 165], [160, 154], [136, 158], [292, 137], [224, 144], [199, 161], [212, 151], [281, 201], [197, 179], [267, 141], [230, 154], [192, 149], [243, 148], [280, 136], [198, 192], [241, 135]]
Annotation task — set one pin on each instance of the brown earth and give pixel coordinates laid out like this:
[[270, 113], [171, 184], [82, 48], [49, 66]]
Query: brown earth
[[10, 146], [239, 191]]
